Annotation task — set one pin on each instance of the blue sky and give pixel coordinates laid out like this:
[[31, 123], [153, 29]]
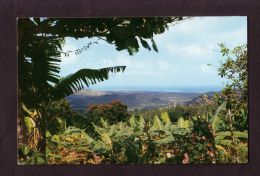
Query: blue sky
[[185, 50]]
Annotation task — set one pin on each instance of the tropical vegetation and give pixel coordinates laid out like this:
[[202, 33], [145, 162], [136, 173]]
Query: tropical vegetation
[[50, 132]]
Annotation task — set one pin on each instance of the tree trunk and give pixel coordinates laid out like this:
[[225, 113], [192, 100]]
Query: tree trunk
[[42, 129]]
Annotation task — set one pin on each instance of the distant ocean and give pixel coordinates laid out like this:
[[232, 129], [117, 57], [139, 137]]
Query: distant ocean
[[197, 89]]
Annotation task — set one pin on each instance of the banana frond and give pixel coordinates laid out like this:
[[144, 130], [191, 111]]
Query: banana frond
[[84, 77]]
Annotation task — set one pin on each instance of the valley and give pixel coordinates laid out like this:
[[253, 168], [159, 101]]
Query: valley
[[133, 99]]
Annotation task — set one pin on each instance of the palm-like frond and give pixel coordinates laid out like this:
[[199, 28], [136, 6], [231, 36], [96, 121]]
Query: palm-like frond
[[75, 82], [39, 67]]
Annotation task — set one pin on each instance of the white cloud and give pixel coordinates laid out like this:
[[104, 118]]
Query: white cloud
[[185, 50], [234, 38], [206, 30], [164, 66], [191, 52]]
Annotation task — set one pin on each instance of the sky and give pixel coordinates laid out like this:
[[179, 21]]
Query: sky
[[188, 56]]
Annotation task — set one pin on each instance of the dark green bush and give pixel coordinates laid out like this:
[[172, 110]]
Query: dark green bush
[[111, 112]]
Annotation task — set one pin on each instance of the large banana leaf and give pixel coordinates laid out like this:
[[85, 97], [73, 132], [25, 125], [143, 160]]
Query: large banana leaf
[[184, 123], [224, 138], [157, 124], [237, 134], [141, 122], [166, 118], [75, 82], [215, 120]]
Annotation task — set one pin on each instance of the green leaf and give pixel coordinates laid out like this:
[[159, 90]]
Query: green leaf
[[106, 139], [224, 138], [104, 123], [184, 123], [37, 20], [225, 142], [29, 123], [27, 110], [141, 122], [145, 44], [157, 124], [165, 140], [166, 118], [123, 132], [237, 134], [132, 121], [75, 82], [154, 45], [25, 149], [132, 45], [39, 160], [215, 120], [48, 134], [219, 147]]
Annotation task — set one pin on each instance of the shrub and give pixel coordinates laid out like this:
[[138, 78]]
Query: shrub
[[113, 112]]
